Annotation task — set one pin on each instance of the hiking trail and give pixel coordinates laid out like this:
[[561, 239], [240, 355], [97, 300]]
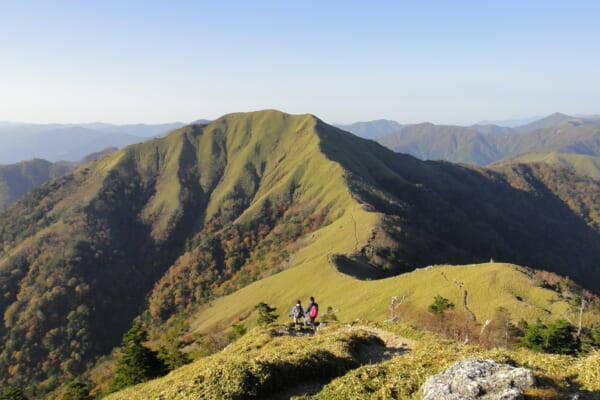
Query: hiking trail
[[367, 354]]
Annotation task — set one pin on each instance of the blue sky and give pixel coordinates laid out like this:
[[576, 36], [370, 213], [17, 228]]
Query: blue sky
[[344, 61]]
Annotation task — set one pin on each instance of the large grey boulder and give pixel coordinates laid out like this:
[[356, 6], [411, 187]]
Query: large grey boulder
[[478, 379]]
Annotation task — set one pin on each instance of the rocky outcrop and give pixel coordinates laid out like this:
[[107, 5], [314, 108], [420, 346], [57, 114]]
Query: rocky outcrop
[[478, 379]]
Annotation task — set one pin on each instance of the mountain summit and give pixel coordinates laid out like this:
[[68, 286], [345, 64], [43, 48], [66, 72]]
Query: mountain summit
[[161, 226]]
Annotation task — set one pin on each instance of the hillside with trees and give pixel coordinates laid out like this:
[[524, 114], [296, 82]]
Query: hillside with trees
[[161, 228]]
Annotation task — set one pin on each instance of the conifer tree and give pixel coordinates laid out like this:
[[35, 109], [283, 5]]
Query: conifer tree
[[439, 305], [137, 362], [557, 337], [266, 313]]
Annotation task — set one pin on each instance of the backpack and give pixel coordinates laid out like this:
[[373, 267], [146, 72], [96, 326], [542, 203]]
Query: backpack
[[297, 312], [314, 311]]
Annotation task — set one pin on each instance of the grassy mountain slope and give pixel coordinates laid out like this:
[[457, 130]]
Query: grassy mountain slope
[[98, 240], [268, 365], [20, 178], [581, 164], [459, 144], [488, 286], [162, 227]]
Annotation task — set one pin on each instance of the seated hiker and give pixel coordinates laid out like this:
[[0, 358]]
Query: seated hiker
[[311, 313], [297, 313]]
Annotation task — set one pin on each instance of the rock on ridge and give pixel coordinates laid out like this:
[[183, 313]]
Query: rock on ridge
[[478, 379]]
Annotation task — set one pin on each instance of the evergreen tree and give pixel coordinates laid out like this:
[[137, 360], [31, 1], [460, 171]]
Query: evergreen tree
[[439, 305], [137, 362], [558, 337], [266, 314]]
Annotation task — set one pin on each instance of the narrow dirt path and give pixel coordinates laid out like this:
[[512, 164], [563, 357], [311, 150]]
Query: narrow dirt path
[[391, 340], [368, 354], [374, 354]]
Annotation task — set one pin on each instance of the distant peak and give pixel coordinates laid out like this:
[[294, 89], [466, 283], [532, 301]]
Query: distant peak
[[559, 115]]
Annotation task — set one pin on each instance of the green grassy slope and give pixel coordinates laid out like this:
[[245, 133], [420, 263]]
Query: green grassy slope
[[579, 163], [488, 287]]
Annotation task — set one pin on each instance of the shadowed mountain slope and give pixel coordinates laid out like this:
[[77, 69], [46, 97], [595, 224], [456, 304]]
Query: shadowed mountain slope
[[163, 226]]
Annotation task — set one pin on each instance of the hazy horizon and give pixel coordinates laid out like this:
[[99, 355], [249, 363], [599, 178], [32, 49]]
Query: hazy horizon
[[139, 62], [504, 122]]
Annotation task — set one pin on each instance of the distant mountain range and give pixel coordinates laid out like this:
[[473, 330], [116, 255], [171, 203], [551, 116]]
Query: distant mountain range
[[160, 228], [18, 179], [371, 129], [482, 145], [382, 127], [69, 142]]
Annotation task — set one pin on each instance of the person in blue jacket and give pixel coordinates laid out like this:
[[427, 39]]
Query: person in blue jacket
[[297, 313]]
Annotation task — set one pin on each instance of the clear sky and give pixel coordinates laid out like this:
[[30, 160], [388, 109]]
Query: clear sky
[[344, 61]]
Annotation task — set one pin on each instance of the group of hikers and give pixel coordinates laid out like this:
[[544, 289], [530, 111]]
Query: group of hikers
[[309, 315]]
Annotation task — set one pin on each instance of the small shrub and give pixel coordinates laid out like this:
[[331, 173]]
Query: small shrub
[[239, 330], [439, 305]]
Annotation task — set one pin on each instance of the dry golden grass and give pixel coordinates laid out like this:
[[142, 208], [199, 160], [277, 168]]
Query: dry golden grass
[[263, 364]]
